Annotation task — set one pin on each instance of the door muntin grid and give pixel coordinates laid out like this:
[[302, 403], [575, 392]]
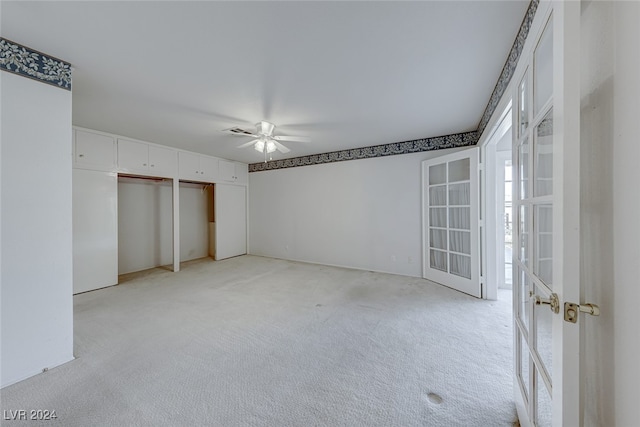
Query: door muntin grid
[[449, 185]]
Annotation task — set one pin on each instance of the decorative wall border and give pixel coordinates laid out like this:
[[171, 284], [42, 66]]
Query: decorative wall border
[[406, 147], [509, 66], [18, 59], [426, 144]]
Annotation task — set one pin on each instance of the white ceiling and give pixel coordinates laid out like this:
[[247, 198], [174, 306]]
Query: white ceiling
[[347, 74]]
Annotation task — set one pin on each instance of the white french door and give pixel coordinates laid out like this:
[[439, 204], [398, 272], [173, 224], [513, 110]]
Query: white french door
[[450, 213], [546, 255]]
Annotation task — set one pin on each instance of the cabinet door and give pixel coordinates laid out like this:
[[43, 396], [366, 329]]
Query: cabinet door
[[209, 168], [162, 161], [242, 173], [189, 166], [231, 220], [94, 151], [227, 171], [132, 156]]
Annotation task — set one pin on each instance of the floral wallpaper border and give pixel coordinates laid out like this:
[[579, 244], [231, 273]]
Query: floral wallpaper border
[[509, 66], [18, 59], [426, 144], [406, 147]]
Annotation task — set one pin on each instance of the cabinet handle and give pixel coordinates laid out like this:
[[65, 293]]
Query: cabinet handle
[[152, 165], [80, 155], [144, 164]]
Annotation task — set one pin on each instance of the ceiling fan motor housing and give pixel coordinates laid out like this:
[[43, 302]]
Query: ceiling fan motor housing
[[265, 128]]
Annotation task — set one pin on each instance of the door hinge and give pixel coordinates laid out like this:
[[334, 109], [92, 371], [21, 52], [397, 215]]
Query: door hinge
[[571, 311]]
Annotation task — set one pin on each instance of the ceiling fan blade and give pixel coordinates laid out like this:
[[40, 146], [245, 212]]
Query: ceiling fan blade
[[281, 147], [247, 144], [292, 138]]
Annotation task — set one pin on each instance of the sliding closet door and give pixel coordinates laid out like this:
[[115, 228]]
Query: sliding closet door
[[231, 220], [451, 221], [95, 230]]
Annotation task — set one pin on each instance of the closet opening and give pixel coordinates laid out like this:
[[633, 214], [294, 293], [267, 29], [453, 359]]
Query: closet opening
[[145, 224], [197, 221]]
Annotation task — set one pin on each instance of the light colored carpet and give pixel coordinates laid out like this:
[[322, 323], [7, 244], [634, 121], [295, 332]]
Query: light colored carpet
[[253, 341]]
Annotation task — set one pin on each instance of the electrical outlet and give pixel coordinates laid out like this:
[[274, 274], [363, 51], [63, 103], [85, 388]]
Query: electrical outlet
[[410, 260], [393, 258]]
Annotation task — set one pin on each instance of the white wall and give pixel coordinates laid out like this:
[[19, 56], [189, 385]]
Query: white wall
[[610, 208], [364, 214], [37, 311], [145, 223]]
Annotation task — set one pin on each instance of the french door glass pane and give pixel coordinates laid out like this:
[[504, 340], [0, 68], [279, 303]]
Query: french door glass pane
[[543, 224], [460, 265], [438, 174], [523, 365], [543, 156], [460, 241], [543, 69], [438, 238], [523, 106], [460, 218], [459, 170], [438, 260], [438, 195], [543, 403], [523, 305], [543, 319], [523, 252], [523, 168], [438, 217], [460, 194]]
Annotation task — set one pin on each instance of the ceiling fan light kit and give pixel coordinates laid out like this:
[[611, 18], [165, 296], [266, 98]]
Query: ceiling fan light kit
[[265, 145], [265, 141]]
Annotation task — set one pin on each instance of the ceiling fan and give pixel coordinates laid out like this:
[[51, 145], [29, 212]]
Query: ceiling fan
[[265, 141]]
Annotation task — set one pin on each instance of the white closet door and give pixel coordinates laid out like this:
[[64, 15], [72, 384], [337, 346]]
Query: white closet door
[[95, 230], [231, 220], [450, 213]]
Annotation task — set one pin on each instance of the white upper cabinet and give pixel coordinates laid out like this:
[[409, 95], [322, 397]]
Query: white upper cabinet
[[138, 157], [188, 166], [233, 172], [105, 152], [163, 160], [209, 167], [242, 173], [132, 156], [197, 168], [94, 151], [227, 171]]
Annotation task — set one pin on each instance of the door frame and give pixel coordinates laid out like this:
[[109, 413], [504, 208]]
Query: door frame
[[498, 125], [501, 159]]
